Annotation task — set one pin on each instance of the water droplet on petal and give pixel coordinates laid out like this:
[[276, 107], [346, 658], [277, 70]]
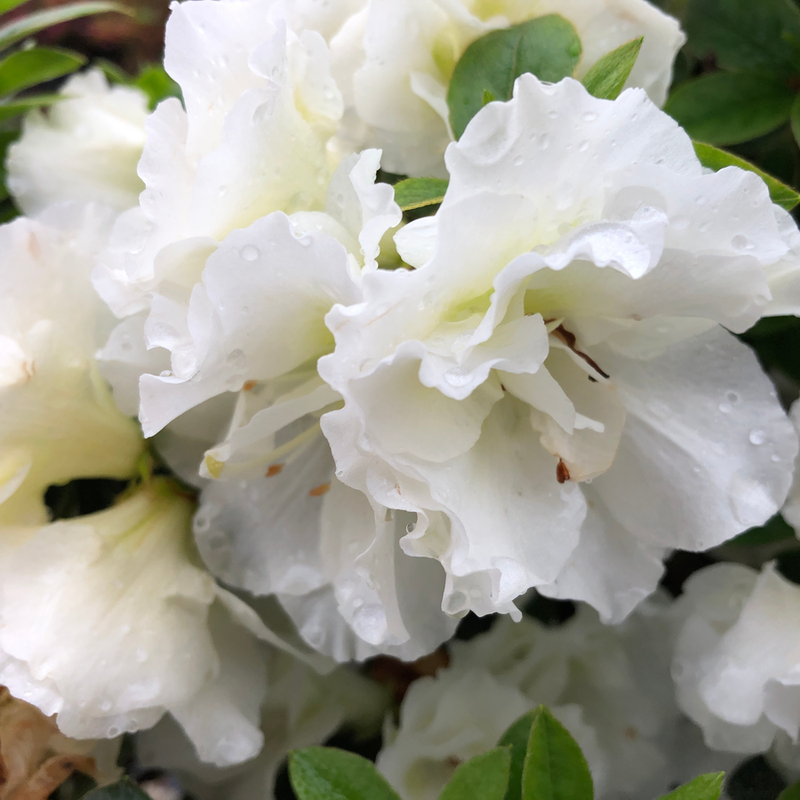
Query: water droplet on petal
[[757, 436], [739, 242], [249, 253]]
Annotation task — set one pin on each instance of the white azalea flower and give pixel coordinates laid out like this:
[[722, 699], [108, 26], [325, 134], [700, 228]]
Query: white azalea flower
[[57, 418], [244, 240], [455, 716], [302, 709], [108, 622], [84, 148], [395, 59], [551, 390], [619, 677], [737, 658]]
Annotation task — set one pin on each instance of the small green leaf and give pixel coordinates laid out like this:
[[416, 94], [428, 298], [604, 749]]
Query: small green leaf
[[484, 777], [555, 768], [22, 104], [745, 34], [790, 792], [419, 192], [716, 159], [325, 773], [607, 77], [10, 5], [33, 23], [728, 108], [548, 46], [122, 790], [27, 68], [156, 84], [516, 738], [112, 71], [776, 530], [706, 787], [488, 97]]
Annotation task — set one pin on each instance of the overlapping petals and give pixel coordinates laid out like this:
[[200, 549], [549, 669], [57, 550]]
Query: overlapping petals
[[563, 326]]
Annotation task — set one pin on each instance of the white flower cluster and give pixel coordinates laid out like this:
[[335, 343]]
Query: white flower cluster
[[390, 422]]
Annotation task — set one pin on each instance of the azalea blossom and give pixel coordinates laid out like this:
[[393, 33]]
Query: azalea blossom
[[394, 60], [619, 677], [84, 148], [58, 421], [737, 657], [109, 621], [551, 389], [301, 708], [244, 239], [450, 718]]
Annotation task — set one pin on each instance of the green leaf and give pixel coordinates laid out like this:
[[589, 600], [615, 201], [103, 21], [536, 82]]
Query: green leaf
[[790, 793], [10, 5], [419, 192], [745, 34], [716, 159], [156, 84], [33, 23], [21, 104], [727, 108], [547, 46], [122, 790], [607, 77], [706, 787], [555, 768], [325, 773], [484, 777], [516, 739], [794, 119], [776, 530], [113, 72], [27, 68]]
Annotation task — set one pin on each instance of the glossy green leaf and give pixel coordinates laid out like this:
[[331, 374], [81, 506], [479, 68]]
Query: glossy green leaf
[[746, 34], [33, 23], [794, 119], [706, 787], [122, 790], [555, 768], [325, 773], [484, 777], [790, 792], [727, 108], [27, 68], [419, 192], [516, 739], [716, 159], [22, 104], [156, 84], [607, 77], [548, 46]]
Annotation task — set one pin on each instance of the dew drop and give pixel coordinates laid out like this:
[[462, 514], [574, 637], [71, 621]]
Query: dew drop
[[589, 116], [544, 141], [584, 146], [725, 408], [519, 161], [553, 114], [739, 242], [249, 253], [113, 732], [757, 436], [236, 359], [411, 527], [732, 397]]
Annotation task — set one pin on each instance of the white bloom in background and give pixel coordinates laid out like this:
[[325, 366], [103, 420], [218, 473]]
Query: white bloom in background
[[737, 658], [58, 420], [395, 59], [459, 714], [551, 390], [84, 148], [791, 509], [108, 621], [619, 677], [245, 238], [302, 709]]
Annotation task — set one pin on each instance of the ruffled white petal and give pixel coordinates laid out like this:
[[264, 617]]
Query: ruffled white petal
[[85, 148]]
